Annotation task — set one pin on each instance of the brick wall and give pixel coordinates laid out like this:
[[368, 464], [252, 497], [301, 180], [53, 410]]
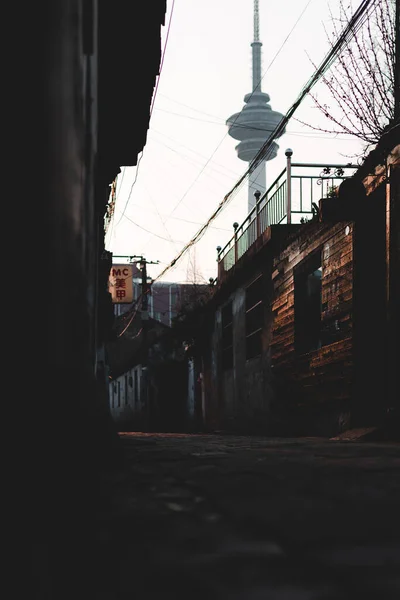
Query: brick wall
[[314, 388]]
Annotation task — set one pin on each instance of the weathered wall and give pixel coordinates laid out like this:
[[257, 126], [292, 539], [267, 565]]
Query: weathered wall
[[65, 117], [377, 400], [69, 233], [244, 391], [314, 389], [160, 402], [350, 379], [370, 308], [126, 400]]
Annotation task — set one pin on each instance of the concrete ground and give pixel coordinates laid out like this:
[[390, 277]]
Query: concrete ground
[[245, 518]]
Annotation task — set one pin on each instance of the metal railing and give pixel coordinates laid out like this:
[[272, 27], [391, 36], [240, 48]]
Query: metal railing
[[288, 200]]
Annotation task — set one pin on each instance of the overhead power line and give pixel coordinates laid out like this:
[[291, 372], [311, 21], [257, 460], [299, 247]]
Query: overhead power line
[[193, 160], [237, 116], [348, 33], [148, 230], [122, 179], [180, 144], [212, 155], [162, 58], [130, 192], [309, 134]]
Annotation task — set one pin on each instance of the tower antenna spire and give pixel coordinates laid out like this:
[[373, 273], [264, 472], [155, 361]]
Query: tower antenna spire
[[256, 121], [256, 22]]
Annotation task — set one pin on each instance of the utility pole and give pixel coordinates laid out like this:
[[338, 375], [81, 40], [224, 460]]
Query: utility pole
[[145, 285], [145, 327], [139, 259]]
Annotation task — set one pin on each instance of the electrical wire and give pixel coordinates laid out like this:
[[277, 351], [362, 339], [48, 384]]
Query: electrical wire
[[174, 243], [192, 160], [249, 98], [288, 35], [129, 322], [348, 33], [218, 146], [122, 179], [151, 232], [191, 149], [162, 58], [116, 194], [191, 108], [197, 223], [130, 191], [308, 134]]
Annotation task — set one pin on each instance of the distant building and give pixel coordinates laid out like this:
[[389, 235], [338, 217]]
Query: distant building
[[148, 384], [165, 299]]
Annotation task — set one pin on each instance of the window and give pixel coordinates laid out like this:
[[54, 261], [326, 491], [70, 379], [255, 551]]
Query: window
[[126, 389], [308, 304], [254, 318], [227, 337], [119, 393]]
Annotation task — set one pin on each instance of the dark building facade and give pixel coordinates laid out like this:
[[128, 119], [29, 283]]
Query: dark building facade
[[90, 132], [298, 339], [83, 84], [148, 381]]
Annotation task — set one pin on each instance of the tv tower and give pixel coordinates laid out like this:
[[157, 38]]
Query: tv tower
[[255, 122]]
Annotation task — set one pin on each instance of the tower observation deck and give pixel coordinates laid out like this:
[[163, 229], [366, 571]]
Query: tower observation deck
[[255, 122]]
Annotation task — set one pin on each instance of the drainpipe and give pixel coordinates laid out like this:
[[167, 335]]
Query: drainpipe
[[288, 154]]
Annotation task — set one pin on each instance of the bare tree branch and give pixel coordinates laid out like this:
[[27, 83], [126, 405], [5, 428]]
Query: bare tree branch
[[361, 81]]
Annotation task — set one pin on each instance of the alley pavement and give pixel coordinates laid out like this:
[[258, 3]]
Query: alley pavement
[[221, 516]]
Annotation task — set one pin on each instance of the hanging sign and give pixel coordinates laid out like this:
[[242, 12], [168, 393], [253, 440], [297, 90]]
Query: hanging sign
[[120, 284]]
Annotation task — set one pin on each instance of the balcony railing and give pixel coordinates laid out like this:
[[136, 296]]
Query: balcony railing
[[288, 200]]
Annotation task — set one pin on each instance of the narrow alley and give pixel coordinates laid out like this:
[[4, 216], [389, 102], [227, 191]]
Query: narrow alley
[[250, 517], [194, 361]]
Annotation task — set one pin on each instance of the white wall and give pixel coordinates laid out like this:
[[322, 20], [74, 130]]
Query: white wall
[[124, 395]]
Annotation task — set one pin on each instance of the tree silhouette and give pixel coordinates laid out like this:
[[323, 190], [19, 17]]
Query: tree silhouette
[[361, 83]]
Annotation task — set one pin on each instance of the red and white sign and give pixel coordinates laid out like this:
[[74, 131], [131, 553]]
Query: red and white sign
[[120, 284]]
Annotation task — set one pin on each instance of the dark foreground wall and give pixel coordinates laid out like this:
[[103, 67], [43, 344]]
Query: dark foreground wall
[[85, 143], [71, 131]]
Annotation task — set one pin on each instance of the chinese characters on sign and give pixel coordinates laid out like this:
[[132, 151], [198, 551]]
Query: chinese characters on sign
[[120, 284]]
